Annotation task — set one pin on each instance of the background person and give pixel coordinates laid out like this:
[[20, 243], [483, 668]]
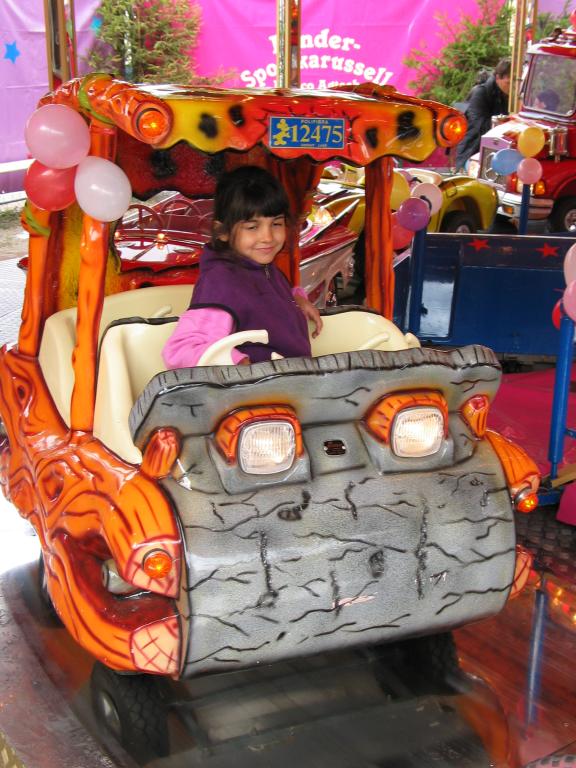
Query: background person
[[240, 288], [547, 100], [486, 100]]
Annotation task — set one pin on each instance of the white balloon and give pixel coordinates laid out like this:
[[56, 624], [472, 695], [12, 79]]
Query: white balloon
[[102, 189], [429, 192]]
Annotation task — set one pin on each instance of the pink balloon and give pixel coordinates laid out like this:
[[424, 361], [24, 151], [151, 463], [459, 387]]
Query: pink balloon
[[529, 170], [570, 264], [413, 214], [569, 300], [430, 193], [57, 136]]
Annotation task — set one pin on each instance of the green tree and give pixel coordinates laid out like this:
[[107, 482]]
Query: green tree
[[147, 40], [547, 22], [469, 46]]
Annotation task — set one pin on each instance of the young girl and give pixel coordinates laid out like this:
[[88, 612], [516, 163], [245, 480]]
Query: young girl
[[240, 288]]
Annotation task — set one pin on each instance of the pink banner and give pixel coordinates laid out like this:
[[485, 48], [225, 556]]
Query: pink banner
[[23, 70], [341, 41]]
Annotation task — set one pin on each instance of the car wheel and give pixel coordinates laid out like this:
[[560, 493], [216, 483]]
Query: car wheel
[[459, 221], [563, 216], [44, 594], [503, 226], [432, 663], [133, 709]]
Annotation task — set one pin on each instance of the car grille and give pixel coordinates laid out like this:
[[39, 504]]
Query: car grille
[[486, 171]]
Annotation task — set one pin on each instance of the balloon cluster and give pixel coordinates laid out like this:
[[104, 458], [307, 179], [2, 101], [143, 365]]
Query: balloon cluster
[[568, 301], [522, 161], [413, 207], [58, 139]]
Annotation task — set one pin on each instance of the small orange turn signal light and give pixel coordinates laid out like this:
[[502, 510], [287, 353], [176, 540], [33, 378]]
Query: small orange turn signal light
[[526, 502], [152, 123], [453, 128], [157, 564]]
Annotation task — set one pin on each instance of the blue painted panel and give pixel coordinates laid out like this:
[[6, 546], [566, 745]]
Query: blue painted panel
[[497, 290]]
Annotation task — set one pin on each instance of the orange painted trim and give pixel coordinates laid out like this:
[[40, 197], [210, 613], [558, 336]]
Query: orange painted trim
[[91, 283], [378, 230], [228, 431], [121, 103], [475, 414], [520, 470], [380, 418], [87, 505], [33, 308], [161, 452]]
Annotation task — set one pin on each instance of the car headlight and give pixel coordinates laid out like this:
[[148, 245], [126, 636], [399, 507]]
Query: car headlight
[[417, 432], [267, 447], [473, 168], [262, 440]]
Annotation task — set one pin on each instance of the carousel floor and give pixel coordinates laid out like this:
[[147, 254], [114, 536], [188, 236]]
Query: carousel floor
[[509, 702]]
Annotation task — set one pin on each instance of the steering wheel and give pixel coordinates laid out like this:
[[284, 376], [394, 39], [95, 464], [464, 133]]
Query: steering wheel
[[147, 219], [144, 212]]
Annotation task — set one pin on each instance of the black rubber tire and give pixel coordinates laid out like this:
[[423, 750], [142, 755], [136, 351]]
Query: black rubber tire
[[133, 709], [432, 662], [459, 221], [563, 216], [502, 225], [47, 603]]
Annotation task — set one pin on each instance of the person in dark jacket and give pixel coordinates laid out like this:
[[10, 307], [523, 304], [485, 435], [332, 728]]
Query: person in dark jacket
[[240, 288], [486, 100]]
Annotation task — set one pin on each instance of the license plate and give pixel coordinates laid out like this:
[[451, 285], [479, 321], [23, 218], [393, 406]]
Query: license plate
[[306, 132]]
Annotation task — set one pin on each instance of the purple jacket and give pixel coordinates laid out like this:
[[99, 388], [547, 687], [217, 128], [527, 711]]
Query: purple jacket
[[257, 297]]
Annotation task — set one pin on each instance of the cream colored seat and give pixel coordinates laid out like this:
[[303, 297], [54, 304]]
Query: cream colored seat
[[130, 355], [59, 334], [355, 330]]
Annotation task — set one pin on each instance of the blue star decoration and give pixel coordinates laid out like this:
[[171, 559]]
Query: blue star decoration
[[12, 52], [96, 25]]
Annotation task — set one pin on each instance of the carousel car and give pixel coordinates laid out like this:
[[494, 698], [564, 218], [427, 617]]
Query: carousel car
[[166, 235], [468, 204], [218, 517]]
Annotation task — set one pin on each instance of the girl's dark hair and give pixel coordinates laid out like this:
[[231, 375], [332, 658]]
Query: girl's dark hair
[[242, 194]]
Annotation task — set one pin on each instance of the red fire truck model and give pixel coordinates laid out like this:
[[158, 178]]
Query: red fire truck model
[[547, 101]]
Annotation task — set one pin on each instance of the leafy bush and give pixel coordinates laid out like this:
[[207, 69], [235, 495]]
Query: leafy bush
[[147, 40], [469, 46]]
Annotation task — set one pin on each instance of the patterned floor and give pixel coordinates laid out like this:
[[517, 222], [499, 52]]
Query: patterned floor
[[12, 280]]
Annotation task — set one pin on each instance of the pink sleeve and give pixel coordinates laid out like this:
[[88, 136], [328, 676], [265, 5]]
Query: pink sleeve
[[195, 331], [299, 291]]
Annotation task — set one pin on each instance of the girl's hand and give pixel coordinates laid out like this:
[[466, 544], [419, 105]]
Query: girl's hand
[[311, 313]]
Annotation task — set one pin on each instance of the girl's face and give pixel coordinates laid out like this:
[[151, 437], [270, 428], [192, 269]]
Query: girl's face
[[259, 239]]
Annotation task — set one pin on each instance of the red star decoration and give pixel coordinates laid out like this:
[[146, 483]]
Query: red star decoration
[[479, 245], [548, 250]]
